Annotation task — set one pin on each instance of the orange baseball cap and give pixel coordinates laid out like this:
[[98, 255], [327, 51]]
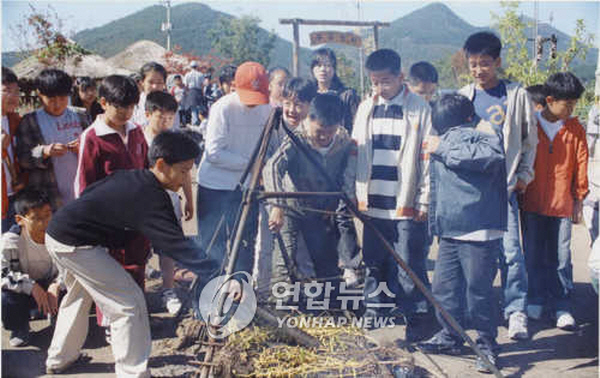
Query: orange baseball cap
[[252, 84]]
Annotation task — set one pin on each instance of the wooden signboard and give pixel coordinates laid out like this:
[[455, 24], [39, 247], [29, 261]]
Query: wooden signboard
[[322, 37]]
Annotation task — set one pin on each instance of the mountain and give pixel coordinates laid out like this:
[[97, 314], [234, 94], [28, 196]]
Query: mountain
[[191, 24], [433, 32]]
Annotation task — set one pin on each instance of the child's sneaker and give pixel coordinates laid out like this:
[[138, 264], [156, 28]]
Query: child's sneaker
[[152, 273], [565, 320], [350, 277], [171, 301], [481, 366], [517, 326], [441, 343], [19, 338]]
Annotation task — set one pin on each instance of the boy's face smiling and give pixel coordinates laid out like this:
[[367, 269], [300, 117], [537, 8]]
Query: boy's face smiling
[[55, 105], [294, 111], [483, 69], [160, 120], [319, 135], [386, 84]]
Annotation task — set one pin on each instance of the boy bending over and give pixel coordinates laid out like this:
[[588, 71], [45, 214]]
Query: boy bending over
[[468, 213], [78, 239]]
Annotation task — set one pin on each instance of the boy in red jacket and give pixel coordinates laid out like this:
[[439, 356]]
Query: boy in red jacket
[[553, 200]]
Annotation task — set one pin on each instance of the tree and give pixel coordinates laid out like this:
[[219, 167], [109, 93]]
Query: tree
[[41, 32], [240, 40], [518, 65]]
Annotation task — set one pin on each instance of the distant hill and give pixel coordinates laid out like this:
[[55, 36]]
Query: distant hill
[[431, 33], [191, 23], [434, 32]]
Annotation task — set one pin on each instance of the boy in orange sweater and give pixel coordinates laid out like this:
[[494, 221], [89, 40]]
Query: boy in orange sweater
[[553, 200]]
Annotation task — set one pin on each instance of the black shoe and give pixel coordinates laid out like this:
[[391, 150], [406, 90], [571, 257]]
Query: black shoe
[[481, 366], [441, 343]]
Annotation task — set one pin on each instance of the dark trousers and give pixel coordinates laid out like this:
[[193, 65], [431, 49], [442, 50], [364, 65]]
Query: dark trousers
[[547, 245], [15, 310], [409, 239], [462, 284], [320, 241], [214, 205]]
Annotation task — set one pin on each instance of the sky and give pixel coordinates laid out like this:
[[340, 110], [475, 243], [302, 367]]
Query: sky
[[78, 15]]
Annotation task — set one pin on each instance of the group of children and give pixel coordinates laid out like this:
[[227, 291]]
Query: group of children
[[471, 168]]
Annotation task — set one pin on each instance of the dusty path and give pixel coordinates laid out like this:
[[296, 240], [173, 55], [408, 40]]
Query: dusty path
[[549, 353]]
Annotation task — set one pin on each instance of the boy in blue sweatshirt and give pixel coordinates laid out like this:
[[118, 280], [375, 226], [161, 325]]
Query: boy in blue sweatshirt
[[468, 212]]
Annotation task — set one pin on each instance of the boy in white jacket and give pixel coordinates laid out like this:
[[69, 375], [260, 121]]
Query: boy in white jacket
[[392, 185]]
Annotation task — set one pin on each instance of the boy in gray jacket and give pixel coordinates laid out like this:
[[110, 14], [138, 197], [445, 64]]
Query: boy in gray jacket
[[289, 170]]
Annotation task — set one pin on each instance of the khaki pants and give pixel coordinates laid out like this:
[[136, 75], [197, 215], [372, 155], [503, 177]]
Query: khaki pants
[[92, 275]]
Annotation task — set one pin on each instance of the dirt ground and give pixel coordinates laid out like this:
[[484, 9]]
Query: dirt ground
[[549, 353]]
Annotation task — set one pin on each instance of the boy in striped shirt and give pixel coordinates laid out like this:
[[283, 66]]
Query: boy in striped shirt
[[392, 185]]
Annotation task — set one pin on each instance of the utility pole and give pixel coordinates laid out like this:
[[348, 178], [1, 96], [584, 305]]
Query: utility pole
[[361, 55], [166, 26]]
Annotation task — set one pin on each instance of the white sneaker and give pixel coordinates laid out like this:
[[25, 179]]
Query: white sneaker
[[152, 273], [517, 326], [535, 311], [350, 277], [171, 301], [565, 320]]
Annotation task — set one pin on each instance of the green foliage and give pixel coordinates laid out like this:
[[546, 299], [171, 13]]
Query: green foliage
[[239, 40], [348, 73], [519, 66]]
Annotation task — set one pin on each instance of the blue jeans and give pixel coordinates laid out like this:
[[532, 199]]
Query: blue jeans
[[349, 256], [214, 205], [513, 273], [463, 284], [409, 239], [547, 244]]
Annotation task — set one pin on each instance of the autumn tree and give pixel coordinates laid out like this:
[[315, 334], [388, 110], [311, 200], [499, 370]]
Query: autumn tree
[[41, 33]]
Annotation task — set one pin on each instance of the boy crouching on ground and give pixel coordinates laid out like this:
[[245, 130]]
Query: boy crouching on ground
[[468, 213], [78, 239], [30, 279]]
